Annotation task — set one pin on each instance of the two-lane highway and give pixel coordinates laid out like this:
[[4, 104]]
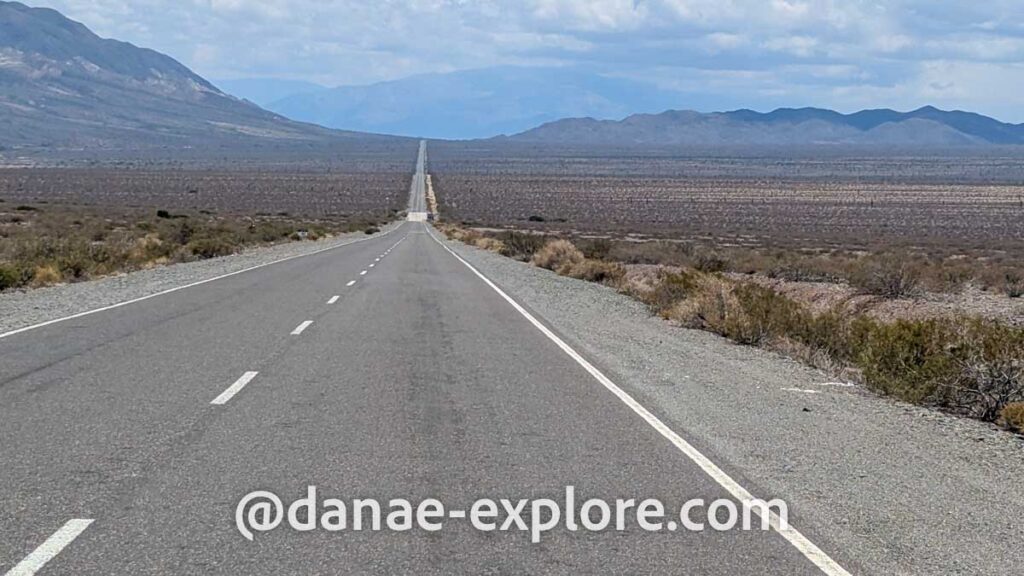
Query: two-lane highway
[[383, 369]]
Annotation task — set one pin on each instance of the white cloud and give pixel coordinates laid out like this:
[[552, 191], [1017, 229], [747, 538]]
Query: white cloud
[[828, 52], [802, 46]]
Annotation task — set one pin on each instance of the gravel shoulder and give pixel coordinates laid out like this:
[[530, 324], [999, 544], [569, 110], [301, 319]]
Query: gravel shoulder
[[22, 308], [883, 487]]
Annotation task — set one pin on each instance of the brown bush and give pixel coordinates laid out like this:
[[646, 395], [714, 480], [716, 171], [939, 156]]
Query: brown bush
[[520, 245], [1013, 283], [491, 244], [889, 276], [45, 275], [712, 305], [1012, 416], [669, 289], [989, 358], [597, 271], [558, 255], [211, 247], [709, 262]]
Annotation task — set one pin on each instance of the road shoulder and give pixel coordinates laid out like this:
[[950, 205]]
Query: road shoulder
[[22, 308], [901, 489]]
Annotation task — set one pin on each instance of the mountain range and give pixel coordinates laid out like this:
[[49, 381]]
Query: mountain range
[[574, 106], [924, 127], [63, 86], [470, 103]]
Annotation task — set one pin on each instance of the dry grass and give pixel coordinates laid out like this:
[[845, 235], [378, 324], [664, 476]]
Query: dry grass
[[48, 244]]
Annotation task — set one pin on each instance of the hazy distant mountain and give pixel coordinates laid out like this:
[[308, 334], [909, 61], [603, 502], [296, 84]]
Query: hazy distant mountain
[[474, 103], [926, 126], [266, 91], [63, 86]]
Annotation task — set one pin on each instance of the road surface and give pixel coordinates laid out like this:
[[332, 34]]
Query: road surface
[[382, 369], [417, 190]]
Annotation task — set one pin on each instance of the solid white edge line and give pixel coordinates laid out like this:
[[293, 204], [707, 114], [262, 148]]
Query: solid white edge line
[[234, 388], [191, 285], [817, 556], [333, 299], [49, 549], [351, 283], [298, 330]]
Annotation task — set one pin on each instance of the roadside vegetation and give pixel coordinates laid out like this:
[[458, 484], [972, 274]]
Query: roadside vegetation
[[891, 272], [43, 244], [956, 362]]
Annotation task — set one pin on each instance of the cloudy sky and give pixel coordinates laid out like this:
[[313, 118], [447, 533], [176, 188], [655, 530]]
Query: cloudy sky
[[843, 54]]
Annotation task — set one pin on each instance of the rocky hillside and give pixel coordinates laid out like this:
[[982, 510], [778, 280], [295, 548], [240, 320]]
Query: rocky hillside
[[62, 86]]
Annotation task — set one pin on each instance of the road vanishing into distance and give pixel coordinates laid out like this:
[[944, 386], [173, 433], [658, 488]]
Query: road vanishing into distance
[[417, 191], [386, 368]]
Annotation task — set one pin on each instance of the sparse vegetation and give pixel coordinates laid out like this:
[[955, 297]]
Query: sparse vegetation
[[894, 226], [964, 365], [71, 243]]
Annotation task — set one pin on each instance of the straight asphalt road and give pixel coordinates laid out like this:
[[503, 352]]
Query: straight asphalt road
[[417, 191], [382, 369]]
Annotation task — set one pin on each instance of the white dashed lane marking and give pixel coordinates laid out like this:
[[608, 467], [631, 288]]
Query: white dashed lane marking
[[333, 299], [48, 550], [301, 327], [234, 388]]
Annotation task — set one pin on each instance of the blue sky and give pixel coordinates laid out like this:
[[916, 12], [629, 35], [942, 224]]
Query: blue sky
[[717, 54]]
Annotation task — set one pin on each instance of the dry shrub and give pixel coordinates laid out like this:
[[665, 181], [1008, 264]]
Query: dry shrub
[[669, 289], [558, 255], [595, 248], [989, 358], [491, 244], [1012, 416], [654, 252], [888, 275], [211, 247], [520, 245], [906, 359], [711, 305], [969, 366], [1013, 283], [10, 277], [745, 313], [147, 249], [597, 271], [467, 235], [45, 275], [709, 262]]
